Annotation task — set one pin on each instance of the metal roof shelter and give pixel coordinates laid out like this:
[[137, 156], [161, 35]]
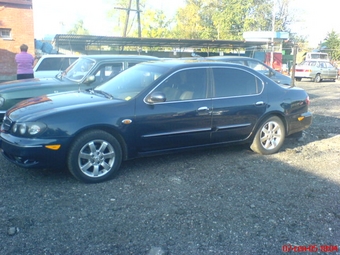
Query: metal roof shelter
[[83, 42]]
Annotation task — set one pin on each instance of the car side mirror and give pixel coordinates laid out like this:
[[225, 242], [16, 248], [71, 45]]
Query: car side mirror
[[156, 97], [90, 79]]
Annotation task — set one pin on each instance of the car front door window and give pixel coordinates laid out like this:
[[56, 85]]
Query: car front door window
[[185, 85], [107, 71]]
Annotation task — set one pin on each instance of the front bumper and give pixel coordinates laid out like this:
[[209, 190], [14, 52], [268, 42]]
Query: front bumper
[[32, 153]]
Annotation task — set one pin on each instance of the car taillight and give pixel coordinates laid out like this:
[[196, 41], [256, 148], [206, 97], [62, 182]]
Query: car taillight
[[307, 100], [304, 70]]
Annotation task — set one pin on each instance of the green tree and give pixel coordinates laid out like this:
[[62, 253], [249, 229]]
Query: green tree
[[257, 15], [79, 29], [205, 19], [228, 19], [332, 43], [154, 24], [232, 17], [283, 17], [188, 20]]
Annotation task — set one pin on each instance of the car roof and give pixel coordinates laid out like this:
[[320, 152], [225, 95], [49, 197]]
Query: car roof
[[59, 56], [316, 60], [178, 63], [231, 57], [118, 56]]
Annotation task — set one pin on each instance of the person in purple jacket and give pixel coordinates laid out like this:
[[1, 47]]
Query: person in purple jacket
[[24, 63]]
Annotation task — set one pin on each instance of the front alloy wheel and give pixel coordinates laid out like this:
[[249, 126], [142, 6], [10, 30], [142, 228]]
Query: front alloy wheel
[[94, 157], [317, 78], [269, 137]]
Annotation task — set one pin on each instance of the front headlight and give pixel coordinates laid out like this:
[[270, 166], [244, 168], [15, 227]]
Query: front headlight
[[28, 129], [2, 101]]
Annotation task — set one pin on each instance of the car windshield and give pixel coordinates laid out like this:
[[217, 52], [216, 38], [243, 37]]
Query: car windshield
[[79, 69], [131, 82]]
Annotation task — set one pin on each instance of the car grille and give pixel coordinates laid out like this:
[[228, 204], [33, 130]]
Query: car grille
[[6, 124]]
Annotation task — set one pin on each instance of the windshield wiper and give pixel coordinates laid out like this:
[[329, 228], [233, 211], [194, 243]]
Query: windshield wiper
[[107, 95]]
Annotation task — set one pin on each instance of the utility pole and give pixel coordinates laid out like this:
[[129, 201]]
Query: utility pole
[[128, 10], [138, 20], [272, 39], [127, 19], [292, 84]]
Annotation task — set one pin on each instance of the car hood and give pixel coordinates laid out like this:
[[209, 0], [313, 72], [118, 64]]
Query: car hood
[[22, 84], [36, 107]]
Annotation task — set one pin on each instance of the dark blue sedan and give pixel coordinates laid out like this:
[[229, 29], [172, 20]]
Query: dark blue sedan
[[152, 108]]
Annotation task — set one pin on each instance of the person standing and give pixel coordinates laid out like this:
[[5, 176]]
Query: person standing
[[24, 63]]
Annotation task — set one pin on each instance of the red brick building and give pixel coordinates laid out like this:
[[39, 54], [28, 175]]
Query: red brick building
[[16, 28]]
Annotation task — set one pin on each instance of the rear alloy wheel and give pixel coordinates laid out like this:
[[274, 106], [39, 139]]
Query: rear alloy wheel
[[94, 157], [317, 78], [269, 137]]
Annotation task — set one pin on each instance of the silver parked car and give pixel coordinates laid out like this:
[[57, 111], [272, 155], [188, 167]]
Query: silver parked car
[[316, 70]]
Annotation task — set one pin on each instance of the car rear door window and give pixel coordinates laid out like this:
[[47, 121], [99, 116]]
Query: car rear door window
[[231, 82]]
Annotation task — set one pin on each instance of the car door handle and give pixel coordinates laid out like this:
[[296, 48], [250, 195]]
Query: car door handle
[[203, 108], [259, 103]]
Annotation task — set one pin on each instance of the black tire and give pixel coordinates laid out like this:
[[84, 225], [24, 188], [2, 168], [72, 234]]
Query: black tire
[[317, 78], [269, 137], [98, 153], [298, 79]]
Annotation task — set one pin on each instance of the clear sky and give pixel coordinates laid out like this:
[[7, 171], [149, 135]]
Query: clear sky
[[316, 18], [57, 17]]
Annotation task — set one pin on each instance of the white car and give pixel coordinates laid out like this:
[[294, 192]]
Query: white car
[[48, 66], [316, 70]]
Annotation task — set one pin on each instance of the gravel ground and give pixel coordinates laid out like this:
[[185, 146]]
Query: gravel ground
[[221, 201]]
